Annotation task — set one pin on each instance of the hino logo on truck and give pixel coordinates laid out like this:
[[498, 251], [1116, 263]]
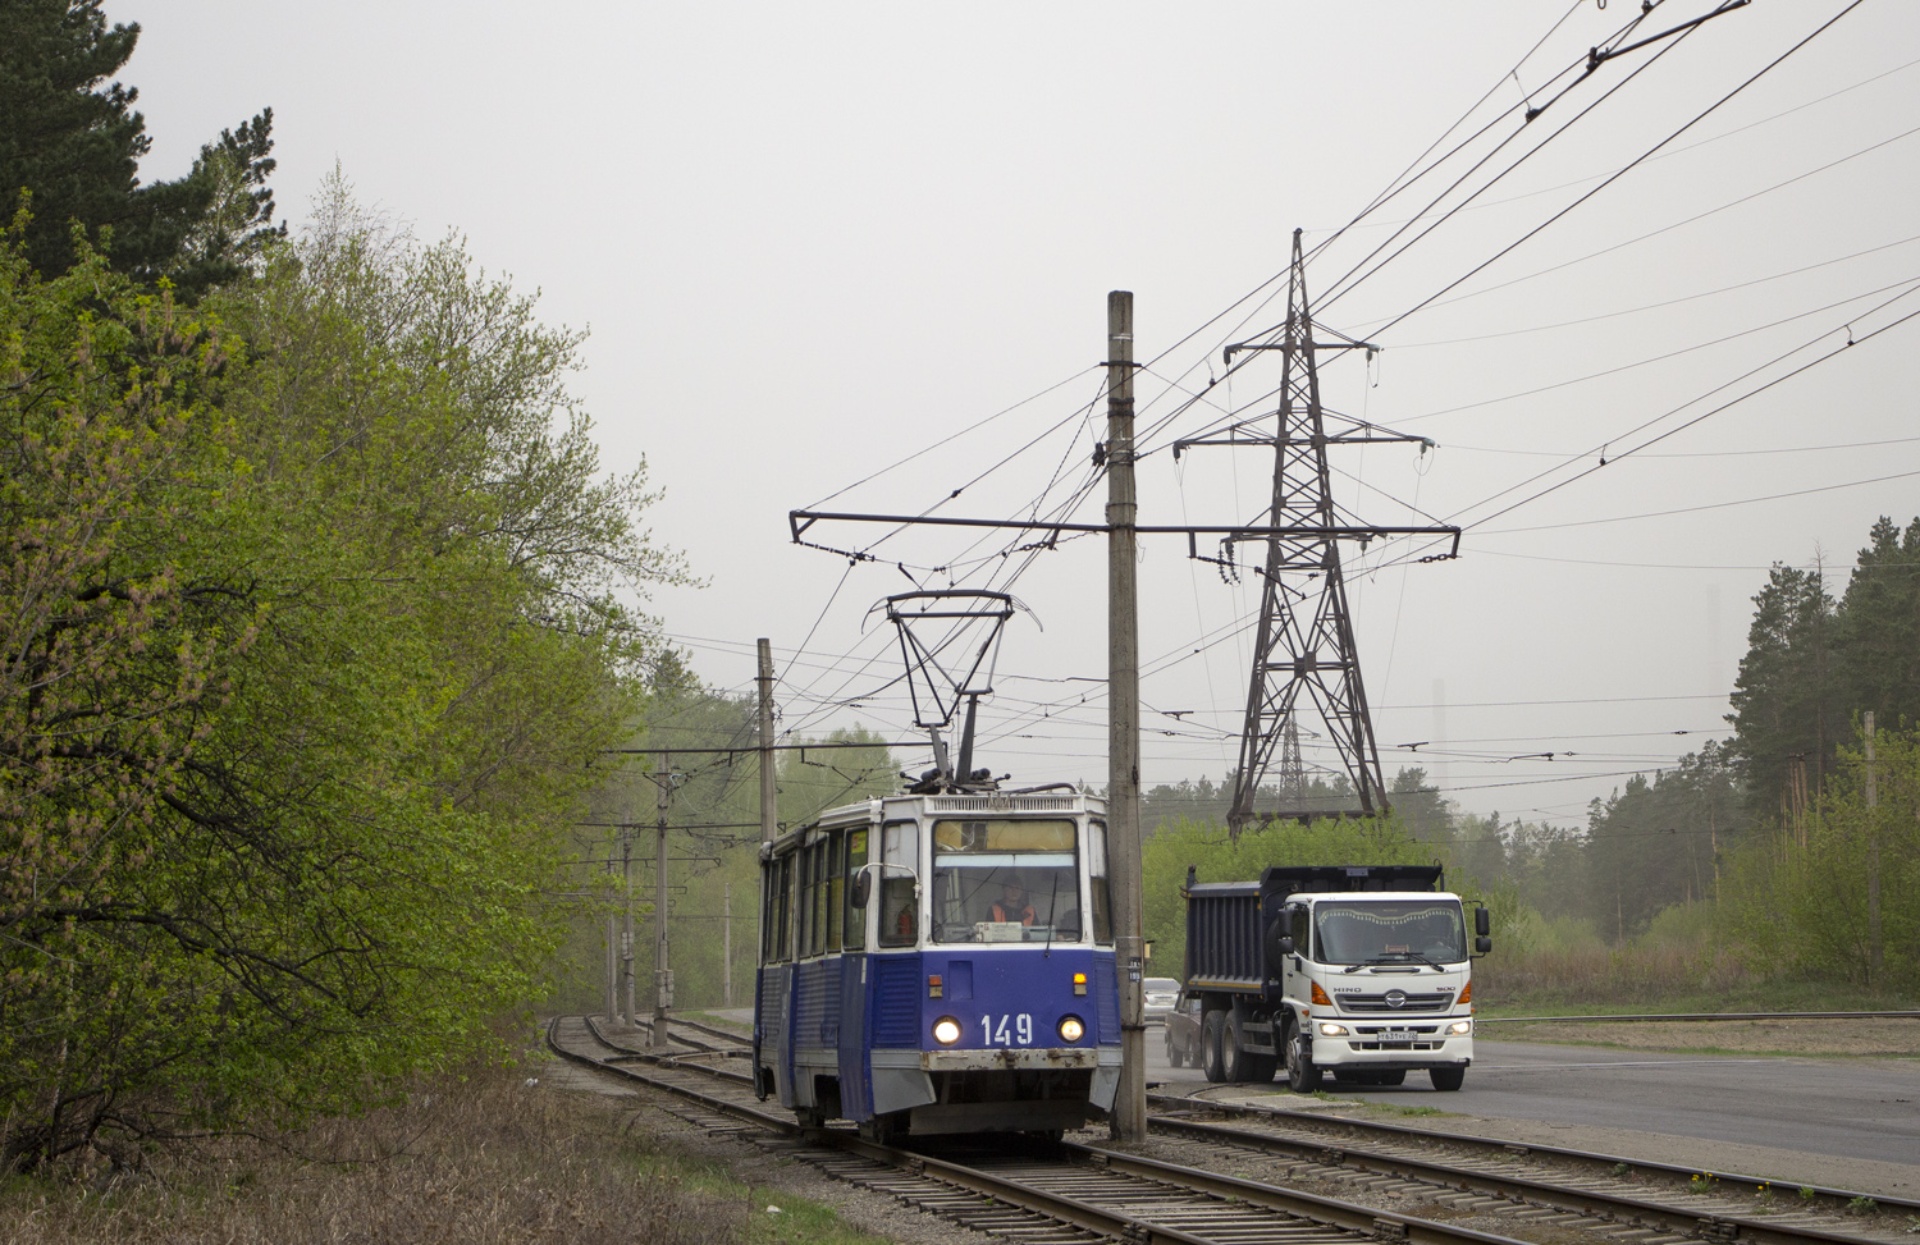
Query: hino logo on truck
[[1396, 998]]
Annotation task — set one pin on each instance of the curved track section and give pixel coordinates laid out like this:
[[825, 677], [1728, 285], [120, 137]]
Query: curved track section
[[1601, 1193]]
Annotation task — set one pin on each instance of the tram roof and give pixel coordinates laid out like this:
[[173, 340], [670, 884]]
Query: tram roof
[[990, 803]]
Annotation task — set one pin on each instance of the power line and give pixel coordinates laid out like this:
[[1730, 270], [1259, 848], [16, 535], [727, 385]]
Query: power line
[[1630, 165]]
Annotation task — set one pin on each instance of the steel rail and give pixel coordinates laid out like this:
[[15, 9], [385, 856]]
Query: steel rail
[[1716, 1224], [1349, 1216], [738, 1045], [687, 1060], [1591, 1161]]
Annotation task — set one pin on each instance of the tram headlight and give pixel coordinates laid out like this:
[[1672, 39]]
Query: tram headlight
[[946, 1031], [1460, 1028], [1072, 1028]]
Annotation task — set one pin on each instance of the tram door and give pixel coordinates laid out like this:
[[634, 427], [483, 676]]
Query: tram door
[[855, 1094], [774, 1005]]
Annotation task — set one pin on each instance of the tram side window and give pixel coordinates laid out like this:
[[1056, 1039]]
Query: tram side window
[[899, 922], [769, 874], [836, 888], [815, 899], [1097, 887], [780, 904], [854, 928], [802, 902], [822, 872]]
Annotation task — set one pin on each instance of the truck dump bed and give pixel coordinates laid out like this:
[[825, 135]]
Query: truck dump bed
[[1227, 921]]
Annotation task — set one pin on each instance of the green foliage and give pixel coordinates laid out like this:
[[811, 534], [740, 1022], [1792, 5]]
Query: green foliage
[[1218, 857], [811, 782], [312, 643], [73, 145], [1659, 843], [1802, 898]]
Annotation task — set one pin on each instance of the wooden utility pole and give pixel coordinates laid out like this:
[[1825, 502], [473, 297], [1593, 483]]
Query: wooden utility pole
[[769, 795], [662, 974], [1129, 1118], [1875, 952]]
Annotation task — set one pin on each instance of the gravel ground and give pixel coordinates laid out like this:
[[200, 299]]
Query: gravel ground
[[768, 1173]]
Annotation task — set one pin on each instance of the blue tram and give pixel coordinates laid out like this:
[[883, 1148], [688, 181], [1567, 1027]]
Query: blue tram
[[940, 963]]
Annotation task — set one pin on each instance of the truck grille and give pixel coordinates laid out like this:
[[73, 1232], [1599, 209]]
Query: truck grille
[[1378, 1004], [1409, 1037]]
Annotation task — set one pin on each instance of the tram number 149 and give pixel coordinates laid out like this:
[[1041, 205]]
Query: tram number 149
[[1008, 1030]]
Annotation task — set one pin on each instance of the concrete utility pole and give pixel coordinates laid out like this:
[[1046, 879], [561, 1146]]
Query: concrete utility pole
[[613, 953], [726, 942], [1875, 951], [769, 796], [626, 938], [1129, 1120], [662, 974]]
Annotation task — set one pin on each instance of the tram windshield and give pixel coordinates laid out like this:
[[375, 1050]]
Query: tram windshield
[[1005, 880], [1390, 932]]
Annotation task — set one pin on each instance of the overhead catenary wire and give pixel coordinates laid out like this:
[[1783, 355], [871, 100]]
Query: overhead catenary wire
[[1504, 251]]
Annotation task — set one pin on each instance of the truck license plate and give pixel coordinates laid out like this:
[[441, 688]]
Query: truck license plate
[[1403, 1036]]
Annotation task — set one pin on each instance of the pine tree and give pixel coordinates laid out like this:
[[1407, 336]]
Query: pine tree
[[1788, 708], [1879, 627], [71, 144]]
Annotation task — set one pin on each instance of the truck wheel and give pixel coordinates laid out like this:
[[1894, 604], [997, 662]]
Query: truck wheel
[[1234, 1060], [1242, 1064], [1447, 1078], [1302, 1076], [1210, 1032], [1173, 1050]]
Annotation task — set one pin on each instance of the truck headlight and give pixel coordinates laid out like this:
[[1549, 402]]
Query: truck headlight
[[1072, 1029], [1332, 1030], [1460, 1028], [946, 1031]]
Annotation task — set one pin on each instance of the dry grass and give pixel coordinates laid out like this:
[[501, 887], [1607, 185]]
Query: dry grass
[[477, 1160], [1597, 974]]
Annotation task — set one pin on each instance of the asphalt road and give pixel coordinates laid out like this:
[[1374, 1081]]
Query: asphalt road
[[1846, 1108]]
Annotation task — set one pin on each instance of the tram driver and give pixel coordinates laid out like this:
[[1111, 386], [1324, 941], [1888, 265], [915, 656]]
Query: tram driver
[[1013, 904]]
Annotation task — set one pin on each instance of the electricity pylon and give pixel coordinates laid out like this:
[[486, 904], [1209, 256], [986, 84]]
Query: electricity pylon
[[1304, 655]]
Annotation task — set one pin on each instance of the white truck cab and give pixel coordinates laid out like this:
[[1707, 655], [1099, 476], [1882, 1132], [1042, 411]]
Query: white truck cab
[[1374, 985]]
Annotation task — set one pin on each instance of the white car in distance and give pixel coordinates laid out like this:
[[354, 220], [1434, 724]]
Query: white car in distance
[[1161, 994]]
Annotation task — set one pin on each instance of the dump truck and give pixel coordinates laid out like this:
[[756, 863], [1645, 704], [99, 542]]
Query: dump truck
[[1363, 972]]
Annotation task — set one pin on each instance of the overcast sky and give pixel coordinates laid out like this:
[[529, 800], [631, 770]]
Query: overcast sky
[[811, 240]]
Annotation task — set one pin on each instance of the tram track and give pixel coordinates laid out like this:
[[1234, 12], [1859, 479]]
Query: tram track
[[1083, 1192], [1608, 1195], [713, 1040]]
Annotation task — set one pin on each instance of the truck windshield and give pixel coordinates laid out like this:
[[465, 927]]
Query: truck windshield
[[1390, 931], [1005, 880]]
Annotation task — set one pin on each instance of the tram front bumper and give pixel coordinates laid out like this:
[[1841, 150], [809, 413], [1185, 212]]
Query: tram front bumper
[[1043, 1057]]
